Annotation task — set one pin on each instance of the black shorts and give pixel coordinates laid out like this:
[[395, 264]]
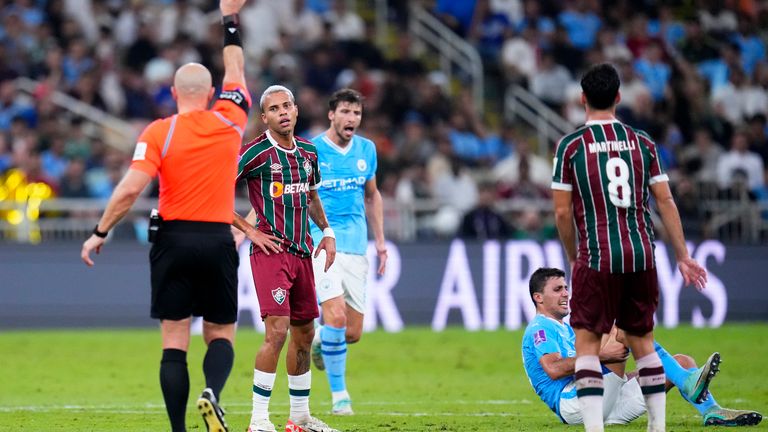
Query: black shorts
[[194, 272], [601, 298]]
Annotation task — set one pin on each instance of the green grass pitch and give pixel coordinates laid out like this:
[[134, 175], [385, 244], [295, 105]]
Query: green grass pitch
[[417, 380]]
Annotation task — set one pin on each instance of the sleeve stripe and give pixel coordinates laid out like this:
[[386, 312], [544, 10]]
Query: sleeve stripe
[[658, 179], [562, 186], [168, 137], [229, 123]]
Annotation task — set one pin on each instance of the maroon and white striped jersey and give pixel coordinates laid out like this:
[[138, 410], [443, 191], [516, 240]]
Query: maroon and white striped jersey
[[609, 167]]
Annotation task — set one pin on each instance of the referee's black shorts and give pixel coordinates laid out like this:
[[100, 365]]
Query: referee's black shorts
[[194, 272]]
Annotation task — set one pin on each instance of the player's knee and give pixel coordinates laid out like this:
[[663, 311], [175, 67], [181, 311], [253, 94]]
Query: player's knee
[[335, 316], [212, 332], [353, 335], [685, 361], [276, 336]]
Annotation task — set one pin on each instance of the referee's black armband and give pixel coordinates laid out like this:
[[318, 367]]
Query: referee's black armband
[[237, 97], [231, 25]]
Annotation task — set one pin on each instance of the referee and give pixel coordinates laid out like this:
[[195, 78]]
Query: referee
[[193, 259]]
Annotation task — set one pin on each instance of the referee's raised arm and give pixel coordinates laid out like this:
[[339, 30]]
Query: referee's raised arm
[[234, 60]]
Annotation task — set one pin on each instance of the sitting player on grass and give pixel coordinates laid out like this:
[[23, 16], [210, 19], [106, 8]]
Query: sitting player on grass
[[549, 357]]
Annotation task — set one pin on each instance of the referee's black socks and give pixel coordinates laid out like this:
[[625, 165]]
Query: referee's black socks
[[218, 364], [174, 381]]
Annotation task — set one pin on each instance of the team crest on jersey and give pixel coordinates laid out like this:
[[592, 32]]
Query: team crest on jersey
[[276, 168], [308, 167], [361, 165], [279, 295], [538, 338]]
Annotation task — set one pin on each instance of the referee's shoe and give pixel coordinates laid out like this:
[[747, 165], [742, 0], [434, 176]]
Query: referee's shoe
[[212, 412]]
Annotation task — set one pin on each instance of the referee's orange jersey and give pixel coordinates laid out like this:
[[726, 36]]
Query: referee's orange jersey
[[195, 154]]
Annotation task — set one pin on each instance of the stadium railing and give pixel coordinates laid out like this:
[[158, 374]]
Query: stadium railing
[[115, 132], [455, 53], [550, 126]]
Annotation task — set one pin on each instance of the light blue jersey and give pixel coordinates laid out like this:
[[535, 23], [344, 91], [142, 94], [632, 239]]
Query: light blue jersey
[[342, 191], [544, 336]]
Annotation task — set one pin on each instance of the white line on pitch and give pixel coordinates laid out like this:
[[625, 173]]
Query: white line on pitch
[[144, 407]]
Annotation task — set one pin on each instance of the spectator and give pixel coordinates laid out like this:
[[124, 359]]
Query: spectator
[[550, 82], [456, 14], [73, 181], [758, 136], [700, 159], [308, 26], [716, 19], [487, 31], [730, 100], [532, 18], [508, 171], [52, 161], [346, 24], [483, 222], [751, 46], [632, 87], [518, 56], [740, 159], [697, 46], [525, 188], [581, 23], [653, 71], [414, 144], [456, 189], [180, 18], [667, 27]]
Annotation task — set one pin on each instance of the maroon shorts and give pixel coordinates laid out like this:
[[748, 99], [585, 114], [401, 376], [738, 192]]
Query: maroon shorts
[[600, 298], [285, 285]]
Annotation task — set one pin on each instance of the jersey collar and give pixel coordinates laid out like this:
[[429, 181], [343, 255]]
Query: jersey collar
[[600, 122], [333, 145], [274, 143]]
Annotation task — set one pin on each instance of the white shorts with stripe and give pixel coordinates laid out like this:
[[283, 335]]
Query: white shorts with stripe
[[622, 401], [347, 277]]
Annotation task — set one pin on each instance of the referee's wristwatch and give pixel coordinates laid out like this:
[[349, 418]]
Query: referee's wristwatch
[[98, 233]]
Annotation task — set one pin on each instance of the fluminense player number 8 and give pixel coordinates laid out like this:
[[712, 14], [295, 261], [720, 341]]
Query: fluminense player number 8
[[618, 181]]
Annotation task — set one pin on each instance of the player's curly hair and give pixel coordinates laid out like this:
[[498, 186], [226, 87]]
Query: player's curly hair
[[600, 85], [540, 277]]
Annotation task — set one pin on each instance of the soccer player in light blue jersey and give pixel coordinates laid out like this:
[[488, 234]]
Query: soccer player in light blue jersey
[[549, 358], [352, 202]]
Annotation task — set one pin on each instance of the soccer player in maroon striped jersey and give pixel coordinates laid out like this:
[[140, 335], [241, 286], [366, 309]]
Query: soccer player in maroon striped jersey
[[604, 174], [282, 175]]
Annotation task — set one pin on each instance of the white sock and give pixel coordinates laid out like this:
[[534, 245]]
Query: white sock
[[337, 396], [651, 378], [262, 391], [589, 389], [298, 390]]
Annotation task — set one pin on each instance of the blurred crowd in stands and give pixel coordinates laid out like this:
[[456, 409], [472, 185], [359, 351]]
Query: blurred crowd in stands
[[694, 75]]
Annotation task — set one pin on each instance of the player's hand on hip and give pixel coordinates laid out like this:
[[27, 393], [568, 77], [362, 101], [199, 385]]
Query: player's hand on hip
[[381, 252], [328, 244], [229, 7], [693, 273], [266, 242], [94, 243]]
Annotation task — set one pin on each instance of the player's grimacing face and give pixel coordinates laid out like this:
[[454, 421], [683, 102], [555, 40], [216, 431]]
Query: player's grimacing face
[[554, 298], [346, 118], [280, 113]]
